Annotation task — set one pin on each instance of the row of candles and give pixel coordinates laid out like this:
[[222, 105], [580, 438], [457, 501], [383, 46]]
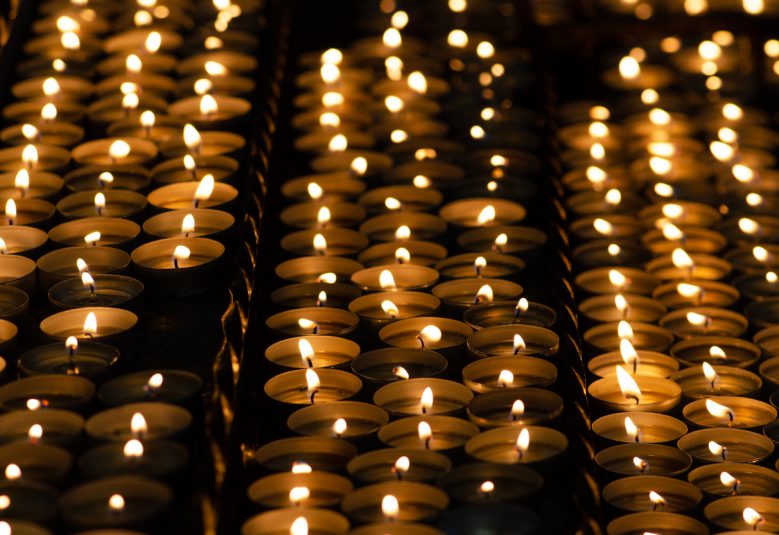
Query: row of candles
[[125, 135], [416, 379], [672, 223]]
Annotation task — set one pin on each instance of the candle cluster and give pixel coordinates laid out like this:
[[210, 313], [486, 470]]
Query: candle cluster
[[411, 378], [670, 196], [123, 145]]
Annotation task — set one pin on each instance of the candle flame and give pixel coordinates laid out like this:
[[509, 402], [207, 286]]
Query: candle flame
[[49, 111], [620, 302], [688, 290], [631, 429], [517, 409], [390, 506], [417, 82], [629, 68], [306, 351], [181, 252], [752, 517], [717, 449], [389, 308], [35, 433], [298, 494], [304, 323], [403, 232], [505, 378], [523, 440], [602, 226], [70, 41], [314, 190], [214, 68], [624, 330], [10, 209], [155, 381], [743, 173], [640, 464], [387, 280], [312, 381], [402, 255], [717, 409], [628, 385], [116, 502], [616, 278], [613, 197], [595, 175], [202, 86], [753, 199], [664, 190], [133, 63], [697, 319], [485, 294], [138, 424], [339, 427], [92, 238], [90, 325], [192, 138], [656, 499], [301, 467], [205, 188], [12, 471], [426, 401], [323, 215], [119, 149], [400, 372], [393, 103], [628, 353], [672, 210], [188, 224], [81, 265], [147, 119], [732, 112], [29, 155], [105, 178], [430, 334], [299, 526], [728, 480], [771, 277], [153, 42], [597, 151], [329, 118], [760, 253], [663, 149], [681, 259], [332, 98], [133, 448], [338, 143], [331, 55], [208, 105], [672, 233], [328, 278]]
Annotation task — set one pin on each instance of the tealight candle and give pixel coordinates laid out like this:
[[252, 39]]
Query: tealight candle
[[314, 453], [423, 253], [729, 479], [26, 184], [115, 151], [22, 240], [309, 294], [177, 387], [644, 336], [394, 277], [309, 386], [505, 240], [47, 391], [314, 489], [459, 294], [508, 313], [623, 392], [330, 241], [704, 321], [158, 459], [652, 493], [437, 433], [680, 265], [499, 373], [734, 445], [748, 513], [143, 421], [399, 464], [316, 269], [104, 231], [89, 177], [314, 321], [397, 364], [505, 340], [514, 407], [716, 350], [629, 307], [351, 420], [89, 359], [312, 352], [62, 264], [180, 265], [729, 411], [30, 212], [194, 194], [643, 459], [402, 226], [657, 521], [296, 522], [649, 363], [608, 280], [58, 427], [699, 293], [509, 445], [410, 502], [707, 380], [638, 427], [422, 396]]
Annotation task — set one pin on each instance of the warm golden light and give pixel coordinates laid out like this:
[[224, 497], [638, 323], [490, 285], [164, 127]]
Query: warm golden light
[[627, 385]]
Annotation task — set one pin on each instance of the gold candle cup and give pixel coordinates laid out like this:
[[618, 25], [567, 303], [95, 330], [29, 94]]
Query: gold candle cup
[[362, 419], [657, 521], [747, 413], [406, 398], [650, 363], [752, 480], [422, 253], [447, 433], [509, 313], [405, 276], [460, 294], [325, 489], [659, 460], [499, 445], [605, 337], [411, 199], [329, 351], [305, 215], [380, 465], [311, 268], [729, 381], [520, 240], [705, 267], [716, 322], [309, 294], [422, 226], [291, 387], [741, 446], [417, 501], [114, 232], [382, 365], [602, 309], [657, 395], [631, 494], [653, 428], [597, 281], [340, 242], [500, 341], [484, 375], [324, 321], [728, 513], [335, 185], [321, 453], [695, 351], [696, 240], [497, 266], [497, 408], [711, 294], [320, 521]]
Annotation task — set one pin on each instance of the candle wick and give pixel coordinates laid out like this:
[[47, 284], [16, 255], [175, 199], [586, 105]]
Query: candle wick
[[398, 473], [424, 409], [736, 485], [175, 262], [196, 202], [724, 453], [308, 361], [634, 397], [313, 394], [10, 221], [635, 365], [427, 443], [421, 341], [731, 418]]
